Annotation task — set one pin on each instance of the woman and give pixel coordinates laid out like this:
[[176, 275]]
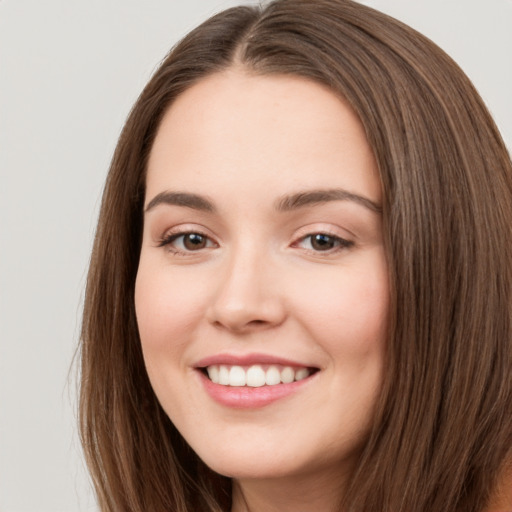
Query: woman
[[300, 294]]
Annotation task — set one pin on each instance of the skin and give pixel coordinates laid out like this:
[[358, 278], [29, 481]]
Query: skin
[[258, 283], [501, 499]]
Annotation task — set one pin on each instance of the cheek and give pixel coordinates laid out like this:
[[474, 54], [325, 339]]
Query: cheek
[[348, 317], [166, 309]]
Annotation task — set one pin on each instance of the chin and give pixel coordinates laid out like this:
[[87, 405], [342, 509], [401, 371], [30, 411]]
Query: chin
[[249, 470], [267, 461]]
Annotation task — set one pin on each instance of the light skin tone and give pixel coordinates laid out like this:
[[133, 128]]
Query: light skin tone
[[263, 239], [501, 499]]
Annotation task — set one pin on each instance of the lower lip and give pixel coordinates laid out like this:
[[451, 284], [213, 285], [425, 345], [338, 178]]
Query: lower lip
[[247, 397]]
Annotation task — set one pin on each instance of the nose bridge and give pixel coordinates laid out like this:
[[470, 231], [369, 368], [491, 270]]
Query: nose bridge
[[246, 297]]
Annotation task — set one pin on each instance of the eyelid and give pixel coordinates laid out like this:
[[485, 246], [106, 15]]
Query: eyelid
[[183, 228], [343, 242], [170, 237], [172, 234], [325, 228]]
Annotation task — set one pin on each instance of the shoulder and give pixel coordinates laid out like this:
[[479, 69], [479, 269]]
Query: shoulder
[[501, 499]]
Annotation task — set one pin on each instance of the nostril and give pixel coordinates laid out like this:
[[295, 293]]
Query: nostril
[[239, 326], [256, 325]]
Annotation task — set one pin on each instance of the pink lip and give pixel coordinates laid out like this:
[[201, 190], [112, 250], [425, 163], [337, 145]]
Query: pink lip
[[250, 398], [247, 397], [247, 360]]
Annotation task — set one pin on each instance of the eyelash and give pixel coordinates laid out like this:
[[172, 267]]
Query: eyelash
[[339, 243], [168, 240]]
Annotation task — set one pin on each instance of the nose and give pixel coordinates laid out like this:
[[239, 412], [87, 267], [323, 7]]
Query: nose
[[248, 297]]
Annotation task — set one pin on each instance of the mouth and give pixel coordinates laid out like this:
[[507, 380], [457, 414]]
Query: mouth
[[256, 375], [252, 381]]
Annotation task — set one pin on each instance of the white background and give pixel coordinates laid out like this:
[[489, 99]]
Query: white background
[[69, 73]]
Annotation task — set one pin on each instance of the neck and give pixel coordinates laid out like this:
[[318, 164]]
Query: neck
[[300, 494], [306, 493]]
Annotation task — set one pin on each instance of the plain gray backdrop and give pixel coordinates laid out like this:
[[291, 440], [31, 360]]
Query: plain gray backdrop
[[69, 73]]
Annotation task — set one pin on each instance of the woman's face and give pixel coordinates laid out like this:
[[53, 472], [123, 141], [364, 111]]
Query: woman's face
[[262, 264]]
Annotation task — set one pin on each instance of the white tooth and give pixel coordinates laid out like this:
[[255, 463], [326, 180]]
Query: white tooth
[[255, 376], [272, 376], [213, 373], [224, 375], [302, 373], [287, 375], [237, 376]]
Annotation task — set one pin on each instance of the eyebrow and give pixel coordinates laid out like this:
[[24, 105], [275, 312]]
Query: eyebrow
[[283, 204], [186, 199], [312, 197]]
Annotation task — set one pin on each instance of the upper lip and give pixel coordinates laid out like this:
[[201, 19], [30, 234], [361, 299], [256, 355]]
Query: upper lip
[[248, 360]]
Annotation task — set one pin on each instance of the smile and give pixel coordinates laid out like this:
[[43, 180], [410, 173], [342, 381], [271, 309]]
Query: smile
[[253, 380], [256, 375]]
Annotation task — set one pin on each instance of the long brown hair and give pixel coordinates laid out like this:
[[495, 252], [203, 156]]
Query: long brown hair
[[443, 422]]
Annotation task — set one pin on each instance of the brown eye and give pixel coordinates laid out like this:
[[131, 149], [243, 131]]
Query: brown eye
[[323, 242], [187, 242], [194, 241]]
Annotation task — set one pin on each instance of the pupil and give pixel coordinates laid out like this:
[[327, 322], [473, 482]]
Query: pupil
[[194, 241], [322, 242]]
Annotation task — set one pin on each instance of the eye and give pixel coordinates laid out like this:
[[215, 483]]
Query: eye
[[323, 242], [186, 242]]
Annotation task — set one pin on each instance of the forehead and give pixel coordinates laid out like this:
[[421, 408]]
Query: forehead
[[250, 131]]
